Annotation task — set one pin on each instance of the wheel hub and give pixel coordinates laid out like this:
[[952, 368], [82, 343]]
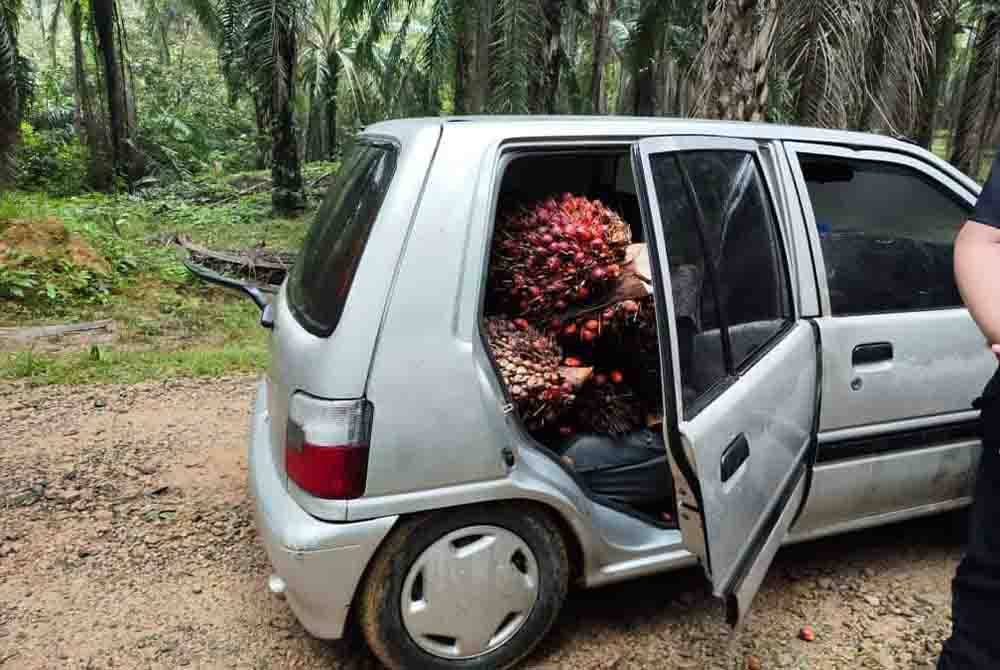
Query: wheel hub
[[469, 592]]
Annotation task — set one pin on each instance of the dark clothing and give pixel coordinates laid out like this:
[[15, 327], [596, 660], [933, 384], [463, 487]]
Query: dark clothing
[[988, 206], [974, 642]]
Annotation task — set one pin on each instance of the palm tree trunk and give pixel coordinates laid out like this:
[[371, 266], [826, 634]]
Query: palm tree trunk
[[10, 111], [463, 59], [263, 130], [734, 62], [480, 80], [977, 116], [286, 169], [100, 170], [936, 75], [543, 88], [330, 104], [602, 47], [104, 14]]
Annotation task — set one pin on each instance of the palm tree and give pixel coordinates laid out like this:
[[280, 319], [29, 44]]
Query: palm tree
[[734, 63], [602, 14], [108, 30], [943, 27], [544, 86], [977, 119], [271, 38], [894, 38], [10, 90], [327, 53]]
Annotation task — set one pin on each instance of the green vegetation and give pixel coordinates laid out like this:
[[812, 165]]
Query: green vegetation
[[125, 122], [169, 323]]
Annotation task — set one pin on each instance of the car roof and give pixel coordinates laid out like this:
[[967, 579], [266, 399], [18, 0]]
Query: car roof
[[627, 127]]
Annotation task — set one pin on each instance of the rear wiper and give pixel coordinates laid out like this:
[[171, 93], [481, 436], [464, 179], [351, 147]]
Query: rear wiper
[[260, 298]]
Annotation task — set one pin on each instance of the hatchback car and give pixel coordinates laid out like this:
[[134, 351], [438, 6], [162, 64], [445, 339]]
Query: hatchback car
[[822, 381]]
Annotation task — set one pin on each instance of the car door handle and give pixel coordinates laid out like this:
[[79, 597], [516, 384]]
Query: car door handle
[[735, 455], [876, 352]]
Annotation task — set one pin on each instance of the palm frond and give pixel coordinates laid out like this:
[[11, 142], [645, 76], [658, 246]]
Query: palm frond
[[894, 37], [517, 38], [207, 13], [53, 35], [438, 39], [977, 122], [814, 44]]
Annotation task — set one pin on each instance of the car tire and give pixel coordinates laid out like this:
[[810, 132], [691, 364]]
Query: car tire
[[415, 551]]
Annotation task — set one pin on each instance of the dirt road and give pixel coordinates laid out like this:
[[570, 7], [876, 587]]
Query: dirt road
[[127, 541]]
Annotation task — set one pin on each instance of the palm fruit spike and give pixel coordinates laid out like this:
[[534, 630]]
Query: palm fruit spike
[[558, 253], [530, 365], [606, 407]]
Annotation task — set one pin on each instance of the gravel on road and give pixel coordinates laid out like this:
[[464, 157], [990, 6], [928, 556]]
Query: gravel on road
[[127, 541]]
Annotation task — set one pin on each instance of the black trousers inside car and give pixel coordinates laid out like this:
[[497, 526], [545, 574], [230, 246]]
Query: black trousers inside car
[[975, 640]]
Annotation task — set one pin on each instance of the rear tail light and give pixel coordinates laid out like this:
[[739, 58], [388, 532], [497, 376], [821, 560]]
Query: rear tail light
[[326, 446]]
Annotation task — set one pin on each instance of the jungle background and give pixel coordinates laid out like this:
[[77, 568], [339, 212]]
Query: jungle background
[[126, 125]]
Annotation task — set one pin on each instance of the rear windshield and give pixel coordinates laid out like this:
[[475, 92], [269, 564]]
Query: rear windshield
[[322, 274]]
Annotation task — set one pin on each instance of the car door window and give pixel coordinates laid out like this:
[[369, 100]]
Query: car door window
[[731, 293], [887, 233]]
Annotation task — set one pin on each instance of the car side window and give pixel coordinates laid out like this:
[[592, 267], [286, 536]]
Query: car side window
[[887, 233], [728, 275]]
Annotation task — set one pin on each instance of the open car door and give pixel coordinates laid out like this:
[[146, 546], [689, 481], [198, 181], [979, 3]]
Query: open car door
[[741, 370]]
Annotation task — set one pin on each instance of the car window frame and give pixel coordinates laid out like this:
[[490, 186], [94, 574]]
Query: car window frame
[[761, 154], [794, 151]]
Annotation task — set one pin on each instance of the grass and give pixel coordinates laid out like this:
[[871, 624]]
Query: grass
[[170, 323], [128, 367]]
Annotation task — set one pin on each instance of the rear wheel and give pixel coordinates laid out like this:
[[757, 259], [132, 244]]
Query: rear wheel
[[471, 588]]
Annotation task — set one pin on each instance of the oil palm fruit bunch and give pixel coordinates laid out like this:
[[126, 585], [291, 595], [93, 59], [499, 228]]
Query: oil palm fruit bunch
[[560, 252], [607, 405], [629, 335], [529, 363], [590, 326]]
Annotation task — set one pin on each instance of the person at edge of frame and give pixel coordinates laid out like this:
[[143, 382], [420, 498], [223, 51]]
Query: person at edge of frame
[[974, 643]]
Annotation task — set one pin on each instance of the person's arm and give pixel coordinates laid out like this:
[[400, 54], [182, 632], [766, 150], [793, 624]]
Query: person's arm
[[977, 269]]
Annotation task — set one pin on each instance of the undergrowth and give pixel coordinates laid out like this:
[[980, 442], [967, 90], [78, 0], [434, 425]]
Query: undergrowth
[[169, 323]]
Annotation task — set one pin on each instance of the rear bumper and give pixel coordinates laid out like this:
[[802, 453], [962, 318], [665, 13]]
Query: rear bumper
[[320, 563]]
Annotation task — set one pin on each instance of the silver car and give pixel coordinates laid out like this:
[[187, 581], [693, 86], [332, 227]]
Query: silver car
[[823, 383]]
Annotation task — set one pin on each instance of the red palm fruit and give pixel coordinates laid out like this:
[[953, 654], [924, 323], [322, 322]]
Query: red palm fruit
[[617, 377], [598, 274], [592, 324], [572, 362], [522, 324], [535, 291], [583, 293], [630, 306], [609, 313], [600, 379], [588, 335], [570, 330]]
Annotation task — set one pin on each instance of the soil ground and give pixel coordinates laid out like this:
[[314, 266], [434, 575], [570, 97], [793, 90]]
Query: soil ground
[[127, 541]]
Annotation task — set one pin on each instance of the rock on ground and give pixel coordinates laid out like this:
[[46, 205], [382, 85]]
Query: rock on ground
[[127, 541]]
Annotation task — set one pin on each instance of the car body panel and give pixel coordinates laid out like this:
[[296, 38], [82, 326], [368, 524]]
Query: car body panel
[[320, 563], [416, 306]]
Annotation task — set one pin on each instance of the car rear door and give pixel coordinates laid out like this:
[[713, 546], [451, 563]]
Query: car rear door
[[903, 358], [741, 370]]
